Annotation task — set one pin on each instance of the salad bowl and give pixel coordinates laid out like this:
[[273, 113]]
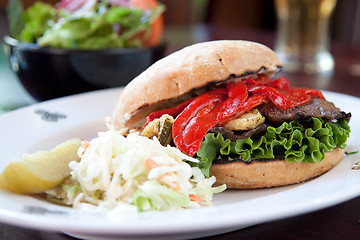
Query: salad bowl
[[48, 73], [82, 45]]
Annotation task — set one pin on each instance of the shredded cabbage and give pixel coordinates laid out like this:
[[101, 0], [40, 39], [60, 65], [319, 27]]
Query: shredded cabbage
[[134, 172]]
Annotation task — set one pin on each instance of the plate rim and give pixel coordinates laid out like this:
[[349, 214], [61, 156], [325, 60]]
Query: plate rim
[[238, 223]]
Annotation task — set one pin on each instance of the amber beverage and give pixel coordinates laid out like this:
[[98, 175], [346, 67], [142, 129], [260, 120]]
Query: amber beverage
[[302, 40]]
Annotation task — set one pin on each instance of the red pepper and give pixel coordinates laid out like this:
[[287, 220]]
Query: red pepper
[[280, 93], [194, 117], [250, 103], [236, 89], [221, 91], [297, 96], [196, 129], [314, 92], [261, 80], [273, 95], [281, 83], [179, 108], [237, 95], [202, 110], [249, 81], [171, 111]]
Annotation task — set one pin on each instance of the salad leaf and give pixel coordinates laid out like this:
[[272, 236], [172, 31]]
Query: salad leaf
[[290, 141], [125, 17], [37, 19], [81, 33]]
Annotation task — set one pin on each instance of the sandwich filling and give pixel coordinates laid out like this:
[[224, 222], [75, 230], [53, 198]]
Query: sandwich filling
[[256, 118]]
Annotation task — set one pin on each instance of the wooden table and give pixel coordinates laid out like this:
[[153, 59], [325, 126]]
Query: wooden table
[[338, 222]]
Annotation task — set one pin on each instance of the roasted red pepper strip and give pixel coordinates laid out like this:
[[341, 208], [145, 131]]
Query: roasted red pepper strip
[[197, 127], [171, 111], [280, 93], [200, 106], [249, 81], [297, 96], [237, 89], [221, 91], [281, 83], [237, 95], [250, 103], [314, 92], [273, 95], [261, 80], [179, 108]]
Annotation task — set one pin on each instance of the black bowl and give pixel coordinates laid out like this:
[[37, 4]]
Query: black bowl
[[48, 73]]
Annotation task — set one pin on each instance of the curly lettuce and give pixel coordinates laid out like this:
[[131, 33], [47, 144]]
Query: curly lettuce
[[37, 19], [291, 141]]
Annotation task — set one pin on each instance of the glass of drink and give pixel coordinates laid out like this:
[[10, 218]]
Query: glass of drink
[[302, 40]]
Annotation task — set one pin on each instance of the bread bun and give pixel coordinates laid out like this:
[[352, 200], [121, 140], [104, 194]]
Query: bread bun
[[185, 70], [273, 173]]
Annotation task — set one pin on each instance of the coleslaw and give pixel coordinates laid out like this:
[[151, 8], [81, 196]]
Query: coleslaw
[[133, 173]]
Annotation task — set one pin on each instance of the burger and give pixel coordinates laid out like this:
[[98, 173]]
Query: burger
[[219, 102]]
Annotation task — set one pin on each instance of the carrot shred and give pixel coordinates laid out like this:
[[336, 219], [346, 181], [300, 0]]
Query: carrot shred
[[177, 185], [84, 145], [150, 163], [195, 198]]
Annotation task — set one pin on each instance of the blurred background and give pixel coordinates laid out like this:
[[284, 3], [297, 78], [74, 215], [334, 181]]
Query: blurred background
[[189, 21]]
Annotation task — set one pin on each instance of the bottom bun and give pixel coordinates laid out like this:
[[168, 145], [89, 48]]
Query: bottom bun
[[263, 174]]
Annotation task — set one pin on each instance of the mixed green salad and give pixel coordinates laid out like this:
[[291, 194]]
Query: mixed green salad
[[93, 24]]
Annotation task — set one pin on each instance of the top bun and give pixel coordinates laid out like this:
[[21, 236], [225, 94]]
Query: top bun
[[186, 70]]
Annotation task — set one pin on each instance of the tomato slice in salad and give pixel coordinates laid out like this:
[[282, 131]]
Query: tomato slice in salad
[[157, 26]]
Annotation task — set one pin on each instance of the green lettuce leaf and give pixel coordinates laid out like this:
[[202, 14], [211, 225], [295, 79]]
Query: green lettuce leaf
[[290, 141], [37, 19]]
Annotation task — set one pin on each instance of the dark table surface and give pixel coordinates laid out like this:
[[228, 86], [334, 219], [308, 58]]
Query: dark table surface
[[337, 222]]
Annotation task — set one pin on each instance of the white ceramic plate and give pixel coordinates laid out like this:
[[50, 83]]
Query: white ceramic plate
[[42, 126]]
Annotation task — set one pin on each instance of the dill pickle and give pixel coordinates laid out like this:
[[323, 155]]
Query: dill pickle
[[165, 132]]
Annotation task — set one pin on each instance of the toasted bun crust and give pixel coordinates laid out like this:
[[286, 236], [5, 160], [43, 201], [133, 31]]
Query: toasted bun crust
[[258, 174], [188, 69]]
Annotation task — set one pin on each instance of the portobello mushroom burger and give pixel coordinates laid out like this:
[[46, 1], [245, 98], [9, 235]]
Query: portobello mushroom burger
[[217, 101]]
